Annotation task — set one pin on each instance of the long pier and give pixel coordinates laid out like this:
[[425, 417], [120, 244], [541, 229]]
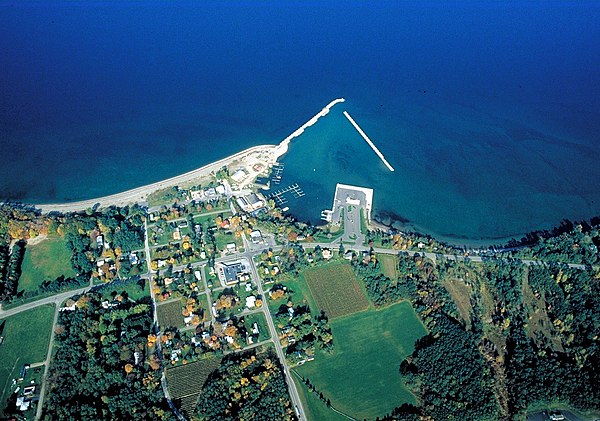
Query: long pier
[[283, 146], [371, 144]]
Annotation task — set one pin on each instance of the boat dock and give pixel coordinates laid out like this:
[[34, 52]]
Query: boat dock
[[279, 195], [276, 173], [369, 142]]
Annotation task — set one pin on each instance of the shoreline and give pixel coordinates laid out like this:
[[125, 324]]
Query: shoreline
[[140, 194]]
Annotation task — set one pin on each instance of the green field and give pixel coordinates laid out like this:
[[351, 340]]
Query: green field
[[47, 260], [361, 376], [389, 264], [186, 381], [335, 289], [314, 408], [259, 319], [298, 293], [135, 289], [169, 314], [26, 337]]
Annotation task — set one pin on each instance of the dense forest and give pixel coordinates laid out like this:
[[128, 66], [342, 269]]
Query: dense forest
[[102, 367], [246, 386]]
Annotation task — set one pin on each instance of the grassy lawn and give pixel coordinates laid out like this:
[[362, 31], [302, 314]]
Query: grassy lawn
[[186, 381], [26, 337], [389, 264], [48, 259], [336, 289], [361, 376], [224, 238], [261, 322], [299, 294], [134, 289]]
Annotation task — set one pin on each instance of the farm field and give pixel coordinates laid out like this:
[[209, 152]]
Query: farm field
[[388, 265], [186, 381], [361, 376], [46, 260], [26, 337], [336, 289], [169, 314]]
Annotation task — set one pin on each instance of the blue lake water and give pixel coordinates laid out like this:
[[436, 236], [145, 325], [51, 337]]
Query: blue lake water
[[489, 112]]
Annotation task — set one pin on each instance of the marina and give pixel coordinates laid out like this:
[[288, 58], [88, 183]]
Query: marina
[[276, 173], [279, 195]]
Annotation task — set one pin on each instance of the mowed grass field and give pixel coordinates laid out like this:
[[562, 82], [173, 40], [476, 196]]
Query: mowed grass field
[[46, 260], [361, 375], [185, 382], [169, 314], [335, 289], [314, 408], [26, 338], [389, 264]]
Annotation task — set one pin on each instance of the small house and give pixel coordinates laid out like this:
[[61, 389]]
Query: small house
[[251, 301], [256, 237], [177, 234]]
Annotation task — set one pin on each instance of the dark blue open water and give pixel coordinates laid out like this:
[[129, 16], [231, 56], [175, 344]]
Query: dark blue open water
[[489, 111]]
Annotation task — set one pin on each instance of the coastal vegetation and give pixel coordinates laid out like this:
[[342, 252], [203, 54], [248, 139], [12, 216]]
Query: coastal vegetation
[[503, 336], [407, 326], [67, 250]]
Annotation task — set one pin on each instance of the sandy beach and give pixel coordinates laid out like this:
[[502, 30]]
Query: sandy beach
[[264, 153]]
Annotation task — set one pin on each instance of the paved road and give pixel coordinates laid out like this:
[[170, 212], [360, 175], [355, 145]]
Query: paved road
[[38, 414], [352, 231], [53, 299], [434, 256], [570, 416], [163, 379], [295, 397]]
